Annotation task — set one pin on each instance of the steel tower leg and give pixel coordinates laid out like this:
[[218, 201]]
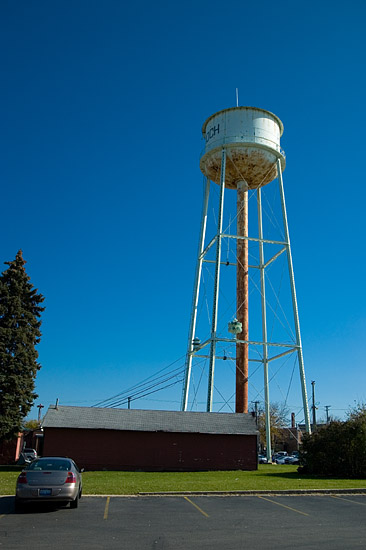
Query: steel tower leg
[[264, 328], [196, 288], [294, 301], [216, 284]]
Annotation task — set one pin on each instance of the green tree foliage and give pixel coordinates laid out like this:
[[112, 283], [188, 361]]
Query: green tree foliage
[[20, 311], [31, 425], [337, 449]]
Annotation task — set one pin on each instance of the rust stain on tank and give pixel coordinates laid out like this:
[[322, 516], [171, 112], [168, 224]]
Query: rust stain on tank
[[256, 166]]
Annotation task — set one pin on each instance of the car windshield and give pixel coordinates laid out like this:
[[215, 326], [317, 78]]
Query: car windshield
[[50, 464]]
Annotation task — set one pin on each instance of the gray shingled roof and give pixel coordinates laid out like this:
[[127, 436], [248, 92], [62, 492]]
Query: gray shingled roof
[[91, 418]]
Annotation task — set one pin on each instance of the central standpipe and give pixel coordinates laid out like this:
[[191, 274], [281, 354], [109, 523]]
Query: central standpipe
[[242, 293]]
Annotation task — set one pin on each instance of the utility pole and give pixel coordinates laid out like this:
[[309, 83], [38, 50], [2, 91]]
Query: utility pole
[[327, 407], [256, 403], [313, 407], [39, 407], [129, 402]]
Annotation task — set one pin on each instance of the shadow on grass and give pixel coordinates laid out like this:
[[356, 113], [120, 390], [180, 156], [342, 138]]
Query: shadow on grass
[[13, 468]]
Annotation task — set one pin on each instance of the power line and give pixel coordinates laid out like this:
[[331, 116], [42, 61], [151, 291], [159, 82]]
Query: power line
[[149, 380], [146, 388], [138, 396]]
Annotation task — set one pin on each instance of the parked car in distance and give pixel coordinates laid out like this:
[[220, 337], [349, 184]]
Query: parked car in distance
[[279, 457], [293, 458], [262, 459], [29, 454], [49, 479]]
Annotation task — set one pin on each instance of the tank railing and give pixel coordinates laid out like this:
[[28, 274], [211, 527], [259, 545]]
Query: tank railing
[[257, 140]]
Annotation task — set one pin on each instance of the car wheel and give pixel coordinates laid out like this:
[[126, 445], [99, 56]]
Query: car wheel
[[75, 503]]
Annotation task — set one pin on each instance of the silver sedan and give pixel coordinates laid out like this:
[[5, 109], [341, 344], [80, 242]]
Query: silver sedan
[[49, 479]]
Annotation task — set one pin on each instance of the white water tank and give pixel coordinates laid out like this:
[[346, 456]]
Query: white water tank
[[251, 137]]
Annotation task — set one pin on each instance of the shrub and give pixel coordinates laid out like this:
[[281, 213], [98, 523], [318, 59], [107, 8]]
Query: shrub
[[337, 449]]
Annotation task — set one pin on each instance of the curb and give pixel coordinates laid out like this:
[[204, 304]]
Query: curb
[[262, 492], [298, 492]]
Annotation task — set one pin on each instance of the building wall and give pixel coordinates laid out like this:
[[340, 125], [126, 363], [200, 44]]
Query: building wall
[[289, 440], [118, 450], [10, 450], [33, 439]]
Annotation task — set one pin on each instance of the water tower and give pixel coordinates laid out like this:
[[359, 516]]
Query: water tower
[[242, 155]]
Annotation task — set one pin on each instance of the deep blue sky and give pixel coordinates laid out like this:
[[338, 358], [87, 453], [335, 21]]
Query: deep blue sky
[[102, 105]]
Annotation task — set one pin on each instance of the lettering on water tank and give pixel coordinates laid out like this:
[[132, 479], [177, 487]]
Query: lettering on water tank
[[211, 132]]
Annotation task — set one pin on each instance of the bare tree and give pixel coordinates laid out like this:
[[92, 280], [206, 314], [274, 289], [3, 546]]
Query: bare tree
[[279, 414]]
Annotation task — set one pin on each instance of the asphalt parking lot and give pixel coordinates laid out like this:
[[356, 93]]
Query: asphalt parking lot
[[189, 522]]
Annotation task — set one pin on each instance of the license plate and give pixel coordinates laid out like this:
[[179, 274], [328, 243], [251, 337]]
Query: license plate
[[45, 492]]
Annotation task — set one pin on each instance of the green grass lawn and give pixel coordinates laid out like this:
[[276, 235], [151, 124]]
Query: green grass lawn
[[268, 477]]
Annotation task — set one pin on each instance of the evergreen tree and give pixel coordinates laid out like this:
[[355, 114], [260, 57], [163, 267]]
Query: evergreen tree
[[20, 311]]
